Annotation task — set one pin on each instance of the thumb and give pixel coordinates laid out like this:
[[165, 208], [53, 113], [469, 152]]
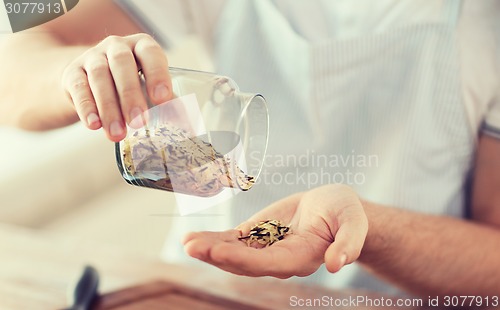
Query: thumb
[[349, 240]]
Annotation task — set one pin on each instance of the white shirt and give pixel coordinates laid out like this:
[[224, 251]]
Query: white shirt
[[478, 26], [396, 79]]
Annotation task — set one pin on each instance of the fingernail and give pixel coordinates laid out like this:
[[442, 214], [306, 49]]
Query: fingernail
[[343, 260], [161, 92], [92, 118], [136, 118], [116, 129]]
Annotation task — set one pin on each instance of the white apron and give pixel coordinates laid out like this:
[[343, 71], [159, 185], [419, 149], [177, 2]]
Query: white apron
[[385, 108]]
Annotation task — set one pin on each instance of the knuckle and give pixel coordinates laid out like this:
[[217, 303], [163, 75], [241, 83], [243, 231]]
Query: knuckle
[[97, 68], [109, 103], [78, 85], [148, 46], [69, 71], [155, 75], [112, 39], [121, 55], [129, 92], [71, 76], [85, 104], [75, 83], [65, 77], [145, 36]]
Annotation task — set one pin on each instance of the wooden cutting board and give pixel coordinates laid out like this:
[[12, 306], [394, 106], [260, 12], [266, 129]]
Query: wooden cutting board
[[166, 296]]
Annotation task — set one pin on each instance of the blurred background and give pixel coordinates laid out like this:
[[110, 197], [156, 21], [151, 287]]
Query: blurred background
[[66, 182]]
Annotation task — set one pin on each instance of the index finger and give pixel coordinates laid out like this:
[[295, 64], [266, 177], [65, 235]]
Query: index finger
[[154, 65]]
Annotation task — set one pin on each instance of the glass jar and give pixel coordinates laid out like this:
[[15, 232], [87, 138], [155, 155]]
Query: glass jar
[[211, 137]]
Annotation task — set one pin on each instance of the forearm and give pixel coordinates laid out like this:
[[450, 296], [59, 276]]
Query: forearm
[[32, 63], [432, 255], [31, 94]]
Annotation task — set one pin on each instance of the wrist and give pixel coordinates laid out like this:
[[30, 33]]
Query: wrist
[[375, 241]]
